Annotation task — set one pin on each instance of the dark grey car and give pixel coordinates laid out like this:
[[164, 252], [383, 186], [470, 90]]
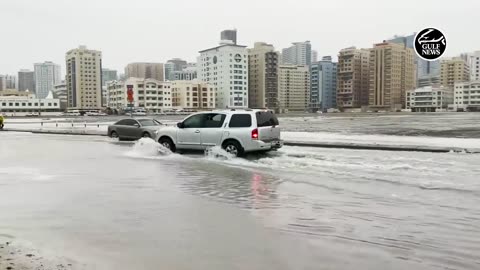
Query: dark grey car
[[134, 129]]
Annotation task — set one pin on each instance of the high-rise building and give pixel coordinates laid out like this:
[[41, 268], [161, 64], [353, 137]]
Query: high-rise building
[[47, 75], [145, 70], [179, 64], [392, 73], [84, 78], [293, 88], [60, 92], [229, 35], [169, 71], [26, 80], [427, 72], [108, 75], [300, 53], [3, 84], [188, 73], [473, 61], [314, 56], [454, 70], [10, 82], [323, 87], [225, 67], [263, 76], [353, 78], [196, 95]]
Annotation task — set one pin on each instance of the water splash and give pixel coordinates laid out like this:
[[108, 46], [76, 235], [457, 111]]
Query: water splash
[[148, 148], [217, 152]]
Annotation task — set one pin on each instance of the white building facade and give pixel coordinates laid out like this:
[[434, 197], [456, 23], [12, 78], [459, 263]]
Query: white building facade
[[152, 95], [28, 103], [429, 99], [47, 75], [194, 95], [466, 96], [226, 68]]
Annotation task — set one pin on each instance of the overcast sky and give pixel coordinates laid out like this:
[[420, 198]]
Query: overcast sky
[[156, 30]]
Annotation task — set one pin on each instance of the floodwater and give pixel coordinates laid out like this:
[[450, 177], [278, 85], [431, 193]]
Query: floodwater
[[109, 205]]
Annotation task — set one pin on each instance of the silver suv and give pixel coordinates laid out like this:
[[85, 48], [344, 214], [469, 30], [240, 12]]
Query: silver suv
[[236, 131]]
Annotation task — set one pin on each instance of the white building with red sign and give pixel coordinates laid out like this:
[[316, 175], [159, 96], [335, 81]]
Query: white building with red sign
[[149, 94]]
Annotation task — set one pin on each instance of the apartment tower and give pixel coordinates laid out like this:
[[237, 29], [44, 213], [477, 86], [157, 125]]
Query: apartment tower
[[263, 76], [353, 78], [454, 70], [392, 73], [84, 78], [294, 88], [145, 70]]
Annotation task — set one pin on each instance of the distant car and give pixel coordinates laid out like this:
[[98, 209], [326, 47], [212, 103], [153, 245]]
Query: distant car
[[236, 131], [95, 114], [139, 113], [32, 114], [134, 129], [71, 114]]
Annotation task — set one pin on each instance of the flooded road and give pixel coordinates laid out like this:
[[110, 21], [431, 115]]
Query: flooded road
[[108, 205]]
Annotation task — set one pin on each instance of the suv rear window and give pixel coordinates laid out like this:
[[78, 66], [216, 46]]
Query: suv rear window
[[240, 120], [266, 119]]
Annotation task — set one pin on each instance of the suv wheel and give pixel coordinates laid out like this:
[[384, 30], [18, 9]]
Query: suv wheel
[[167, 143], [146, 135], [233, 147], [113, 134]]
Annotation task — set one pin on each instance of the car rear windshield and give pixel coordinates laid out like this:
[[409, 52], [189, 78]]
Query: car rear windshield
[[266, 119]]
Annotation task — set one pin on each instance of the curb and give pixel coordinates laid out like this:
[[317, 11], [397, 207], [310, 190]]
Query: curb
[[378, 147]]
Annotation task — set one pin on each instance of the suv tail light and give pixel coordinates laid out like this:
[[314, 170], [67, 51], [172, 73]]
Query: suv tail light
[[255, 134]]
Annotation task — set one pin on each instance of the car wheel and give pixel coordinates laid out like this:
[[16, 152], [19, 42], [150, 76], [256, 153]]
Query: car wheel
[[113, 134], [233, 148], [167, 143], [146, 135]]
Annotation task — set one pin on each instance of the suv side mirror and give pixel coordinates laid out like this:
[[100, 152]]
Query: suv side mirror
[[180, 125], [136, 125]]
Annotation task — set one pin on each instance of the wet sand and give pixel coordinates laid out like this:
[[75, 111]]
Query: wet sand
[[16, 257]]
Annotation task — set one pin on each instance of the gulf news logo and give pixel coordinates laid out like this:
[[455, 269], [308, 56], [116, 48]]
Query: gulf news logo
[[430, 44]]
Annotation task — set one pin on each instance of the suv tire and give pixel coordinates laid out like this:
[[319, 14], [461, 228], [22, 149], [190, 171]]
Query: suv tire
[[233, 147], [167, 143]]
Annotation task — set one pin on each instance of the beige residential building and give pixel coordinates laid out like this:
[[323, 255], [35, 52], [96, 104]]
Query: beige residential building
[[195, 95], [152, 95], [392, 73], [293, 88], [145, 70], [84, 79], [353, 78], [263, 76], [454, 70]]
